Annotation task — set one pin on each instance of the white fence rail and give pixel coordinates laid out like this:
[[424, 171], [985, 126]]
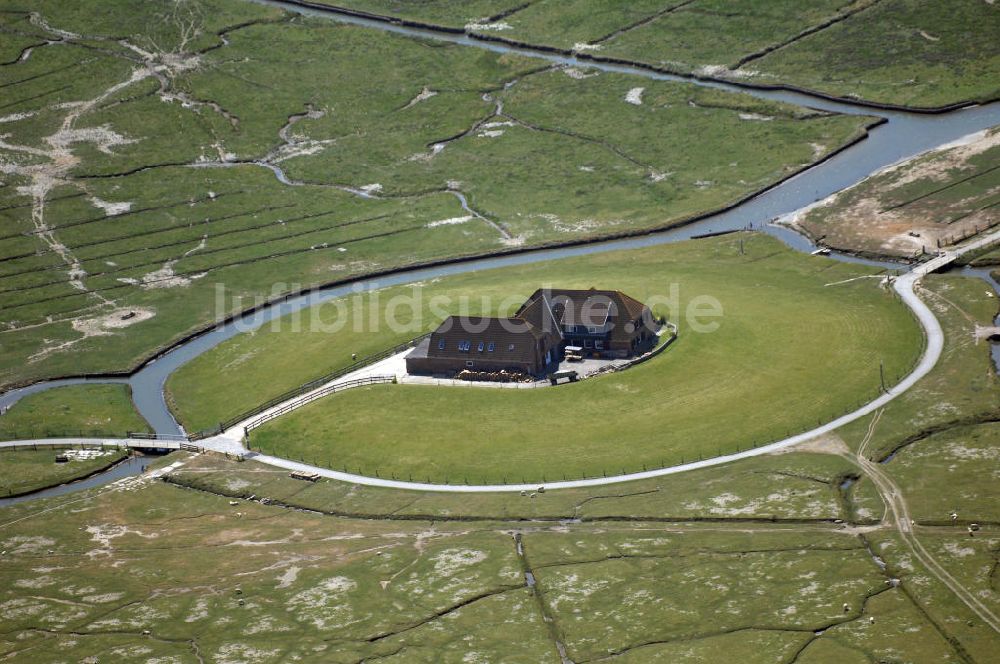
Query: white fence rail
[[312, 396]]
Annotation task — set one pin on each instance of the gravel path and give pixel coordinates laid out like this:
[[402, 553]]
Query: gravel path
[[904, 286]]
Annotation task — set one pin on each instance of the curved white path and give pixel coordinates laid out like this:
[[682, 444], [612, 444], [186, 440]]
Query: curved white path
[[230, 442], [904, 286]]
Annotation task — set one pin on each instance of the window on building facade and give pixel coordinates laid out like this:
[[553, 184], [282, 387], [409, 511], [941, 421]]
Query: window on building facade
[[441, 344], [491, 347], [511, 347], [482, 344]]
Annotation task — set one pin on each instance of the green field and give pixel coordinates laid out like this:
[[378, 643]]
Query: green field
[[952, 471], [127, 210], [410, 590], [789, 323], [164, 163], [938, 441], [744, 557], [903, 52], [30, 470], [961, 389], [419, 591], [792, 487], [913, 208], [75, 410]]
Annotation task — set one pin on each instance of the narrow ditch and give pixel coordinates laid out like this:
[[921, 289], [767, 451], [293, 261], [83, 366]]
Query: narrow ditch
[[531, 582]]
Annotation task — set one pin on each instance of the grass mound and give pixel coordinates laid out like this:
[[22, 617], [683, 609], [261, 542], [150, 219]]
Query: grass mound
[[799, 342]]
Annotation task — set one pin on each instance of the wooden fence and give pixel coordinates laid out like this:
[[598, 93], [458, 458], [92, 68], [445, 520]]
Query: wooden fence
[[307, 387], [319, 394]]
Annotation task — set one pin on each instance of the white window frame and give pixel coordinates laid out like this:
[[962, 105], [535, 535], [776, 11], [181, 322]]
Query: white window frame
[[441, 344]]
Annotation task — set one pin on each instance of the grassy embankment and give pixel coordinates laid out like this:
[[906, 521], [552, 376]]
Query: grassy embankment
[[74, 410], [903, 52], [30, 470], [755, 379], [173, 232], [945, 462]]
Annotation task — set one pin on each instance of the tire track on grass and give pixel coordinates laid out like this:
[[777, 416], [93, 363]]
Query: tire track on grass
[[897, 514]]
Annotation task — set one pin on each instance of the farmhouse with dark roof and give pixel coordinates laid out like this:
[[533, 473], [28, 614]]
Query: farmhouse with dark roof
[[604, 323]]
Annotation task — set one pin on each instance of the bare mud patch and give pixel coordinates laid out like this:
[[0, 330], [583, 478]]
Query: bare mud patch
[[16, 117], [166, 277], [829, 443], [579, 74], [723, 71], [755, 117], [483, 25], [108, 323], [870, 217], [450, 222], [634, 96], [450, 561], [323, 605], [110, 209], [288, 577], [241, 653], [235, 484], [423, 95], [97, 326]]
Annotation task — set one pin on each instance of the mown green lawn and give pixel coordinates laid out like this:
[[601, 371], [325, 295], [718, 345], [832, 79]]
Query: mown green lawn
[[789, 352], [75, 410]]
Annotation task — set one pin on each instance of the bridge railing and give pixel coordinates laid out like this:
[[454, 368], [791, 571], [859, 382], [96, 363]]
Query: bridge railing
[[138, 435]]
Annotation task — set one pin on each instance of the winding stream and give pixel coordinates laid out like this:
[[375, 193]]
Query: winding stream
[[902, 135], [132, 465]]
